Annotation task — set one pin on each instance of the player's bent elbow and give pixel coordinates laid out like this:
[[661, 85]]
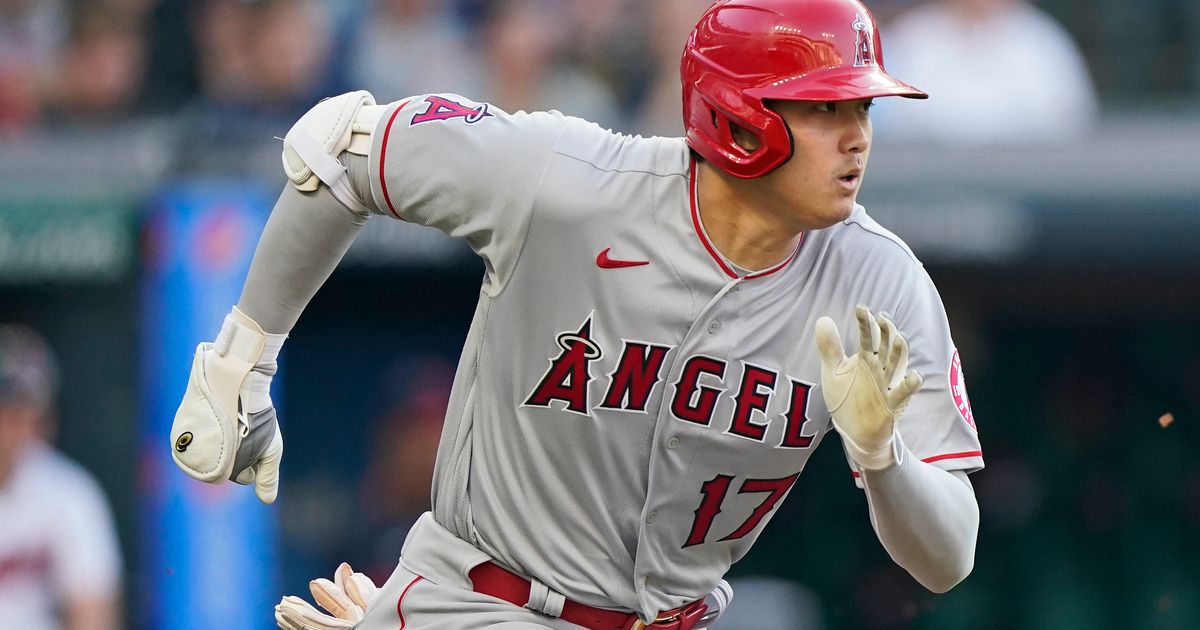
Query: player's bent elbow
[[311, 149]]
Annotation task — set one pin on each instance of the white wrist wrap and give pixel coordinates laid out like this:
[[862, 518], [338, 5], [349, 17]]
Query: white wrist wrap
[[242, 337], [887, 454]]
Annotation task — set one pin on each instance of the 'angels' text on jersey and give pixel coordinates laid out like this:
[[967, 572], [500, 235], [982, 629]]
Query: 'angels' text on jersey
[[638, 371]]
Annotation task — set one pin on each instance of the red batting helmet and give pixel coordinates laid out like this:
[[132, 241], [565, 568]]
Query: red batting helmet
[[744, 52]]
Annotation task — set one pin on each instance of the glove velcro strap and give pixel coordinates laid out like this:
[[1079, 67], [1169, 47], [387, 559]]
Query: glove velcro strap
[[316, 157], [328, 170], [244, 339]]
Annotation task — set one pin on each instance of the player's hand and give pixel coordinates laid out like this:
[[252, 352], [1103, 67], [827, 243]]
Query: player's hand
[[346, 597], [867, 391], [226, 427]]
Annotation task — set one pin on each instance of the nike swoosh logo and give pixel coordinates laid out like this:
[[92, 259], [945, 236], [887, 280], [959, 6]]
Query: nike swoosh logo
[[604, 262]]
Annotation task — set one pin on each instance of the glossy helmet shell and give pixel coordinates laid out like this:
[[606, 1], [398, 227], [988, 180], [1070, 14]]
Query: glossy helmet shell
[[743, 53]]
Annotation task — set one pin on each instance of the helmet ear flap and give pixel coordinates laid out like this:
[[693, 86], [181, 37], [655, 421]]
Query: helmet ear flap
[[723, 130], [710, 131], [727, 130]]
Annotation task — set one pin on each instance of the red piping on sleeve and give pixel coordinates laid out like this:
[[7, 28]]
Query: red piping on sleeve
[[400, 602], [387, 131], [938, 458]]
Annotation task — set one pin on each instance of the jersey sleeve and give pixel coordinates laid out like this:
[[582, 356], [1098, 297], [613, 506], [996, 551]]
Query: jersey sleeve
[[877, 269], [937, 425], [466, 168], [86, 555]]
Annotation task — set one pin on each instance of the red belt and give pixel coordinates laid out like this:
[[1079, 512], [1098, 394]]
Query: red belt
[[492, 579]]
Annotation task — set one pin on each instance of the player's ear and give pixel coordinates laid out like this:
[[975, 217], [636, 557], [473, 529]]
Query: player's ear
[[745, 139]]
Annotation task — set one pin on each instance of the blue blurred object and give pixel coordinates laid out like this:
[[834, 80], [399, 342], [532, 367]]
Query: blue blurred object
[[208, 552]]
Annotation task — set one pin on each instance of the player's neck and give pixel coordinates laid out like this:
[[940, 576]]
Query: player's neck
[[747, 233]]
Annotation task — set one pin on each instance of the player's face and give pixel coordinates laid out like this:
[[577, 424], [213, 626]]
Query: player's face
[[832, 141]]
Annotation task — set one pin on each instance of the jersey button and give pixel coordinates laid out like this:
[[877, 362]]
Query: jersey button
[[651, 516], [673, 442], [714, 326]]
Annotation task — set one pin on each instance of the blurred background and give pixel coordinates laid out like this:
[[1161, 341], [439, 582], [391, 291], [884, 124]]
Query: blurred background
[[1051, 185]]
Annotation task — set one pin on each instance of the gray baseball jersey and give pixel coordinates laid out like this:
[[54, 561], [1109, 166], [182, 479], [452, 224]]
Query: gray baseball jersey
[[630, 408]]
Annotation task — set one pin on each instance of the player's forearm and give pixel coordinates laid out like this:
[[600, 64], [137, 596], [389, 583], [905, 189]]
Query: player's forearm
[[304, 240], [319, 213], [926, 518]]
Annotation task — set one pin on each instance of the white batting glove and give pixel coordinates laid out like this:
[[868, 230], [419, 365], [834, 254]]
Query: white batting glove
[[346, 597], [867, 391], [226, 427]]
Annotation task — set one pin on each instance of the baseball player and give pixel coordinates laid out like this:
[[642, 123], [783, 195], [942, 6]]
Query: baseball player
[[60, 563], [657, 348]]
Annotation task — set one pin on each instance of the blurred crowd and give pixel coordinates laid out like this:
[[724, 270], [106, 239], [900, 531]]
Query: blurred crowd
[[93, 62], [228, 63]]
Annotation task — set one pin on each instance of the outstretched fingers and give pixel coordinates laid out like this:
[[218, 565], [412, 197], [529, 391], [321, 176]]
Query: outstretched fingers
[[293, 613], [887, 336], [899, 359], [899, 395], [895, 351], [868, 332], [334, 599], [829, 343], [358, 587]]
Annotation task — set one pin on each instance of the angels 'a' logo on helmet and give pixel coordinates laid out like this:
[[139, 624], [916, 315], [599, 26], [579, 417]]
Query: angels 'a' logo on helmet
[[864, 46]]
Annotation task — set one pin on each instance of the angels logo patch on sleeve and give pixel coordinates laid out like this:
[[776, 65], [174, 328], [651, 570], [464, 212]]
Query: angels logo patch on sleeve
[[442, 108], [958, 389]]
